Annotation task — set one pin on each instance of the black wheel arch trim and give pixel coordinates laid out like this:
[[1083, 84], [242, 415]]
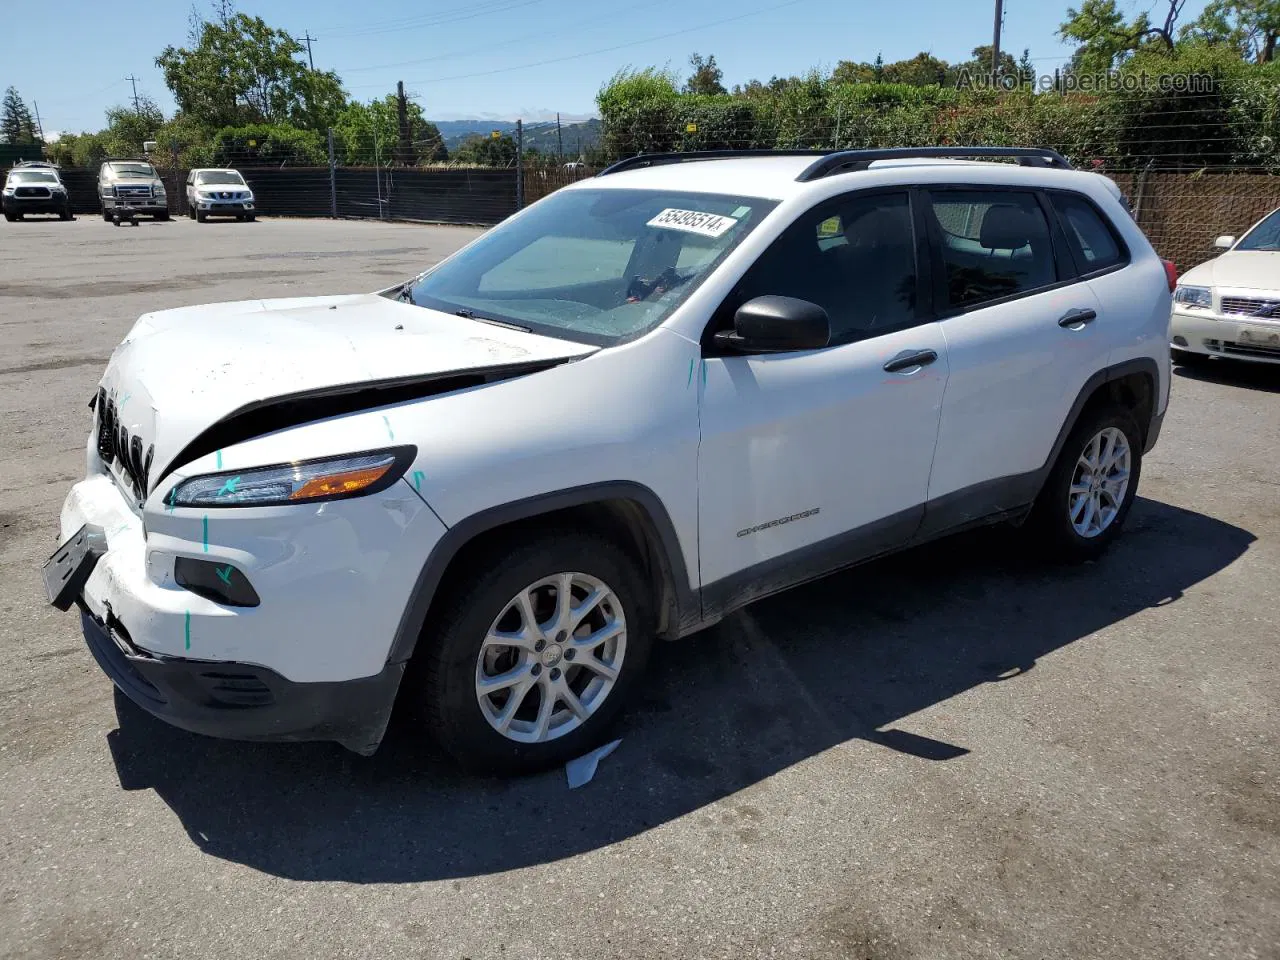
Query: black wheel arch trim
[[682, 615], [1150, 430]]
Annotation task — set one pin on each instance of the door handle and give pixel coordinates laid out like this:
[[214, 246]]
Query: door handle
[[1075, 319], [910, 358]]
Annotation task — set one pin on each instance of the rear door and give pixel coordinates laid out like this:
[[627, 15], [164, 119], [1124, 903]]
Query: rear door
[[812, 458], [1023, 333]]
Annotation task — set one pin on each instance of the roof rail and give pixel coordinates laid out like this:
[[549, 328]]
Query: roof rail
[[662, 159], [845, 161]]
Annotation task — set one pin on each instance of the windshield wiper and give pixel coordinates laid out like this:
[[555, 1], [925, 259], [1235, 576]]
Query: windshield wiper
[[472, 315]]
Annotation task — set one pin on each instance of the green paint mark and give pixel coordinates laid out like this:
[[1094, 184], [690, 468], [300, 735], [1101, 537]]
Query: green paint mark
[[188, 630], [219, 456], [391, 433], [229, 486], [206, 533], [417, 480], [168, 500], [125, 399], [690, 380], [704, 373], [224, 575]]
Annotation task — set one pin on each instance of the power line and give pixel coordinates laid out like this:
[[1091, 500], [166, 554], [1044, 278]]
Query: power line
[[618, 46], [453, 15]]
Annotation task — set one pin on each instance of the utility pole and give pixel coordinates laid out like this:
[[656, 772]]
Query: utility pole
[[995, 43], [559, 141], [309, 40], [519, 164], [39, 127], [137, 108], [405, 146]]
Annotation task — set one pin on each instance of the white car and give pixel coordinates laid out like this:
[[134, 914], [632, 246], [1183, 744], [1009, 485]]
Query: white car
[[34, 186], [639, 404], [1230, 306], [218, 193]]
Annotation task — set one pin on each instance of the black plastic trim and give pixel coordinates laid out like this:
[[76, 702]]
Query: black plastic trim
[[857, 160], [683, 614], [242, 701], [663, 159]]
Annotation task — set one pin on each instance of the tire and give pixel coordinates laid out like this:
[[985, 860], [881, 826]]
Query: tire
[[1059, 513], [250, 217], [106, 215], [484, 597], [11, 217], [201, 216], [191, 213], [162, 217], [1187, 358], [64, 215]]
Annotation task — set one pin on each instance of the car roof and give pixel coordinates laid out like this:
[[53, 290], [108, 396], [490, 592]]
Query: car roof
[[774, 177]]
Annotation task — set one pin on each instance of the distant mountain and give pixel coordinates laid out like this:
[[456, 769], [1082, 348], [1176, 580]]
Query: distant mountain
[[540, 136]]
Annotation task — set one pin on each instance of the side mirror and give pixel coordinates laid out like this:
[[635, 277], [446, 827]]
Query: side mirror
[[1225, 242], [775, 324]]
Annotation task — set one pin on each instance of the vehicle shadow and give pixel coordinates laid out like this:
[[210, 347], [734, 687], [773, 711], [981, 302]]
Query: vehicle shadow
[[842, 658], [1233, 373]]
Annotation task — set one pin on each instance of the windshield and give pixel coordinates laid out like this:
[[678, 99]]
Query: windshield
[[133, 169], [594, 266], [220, 176], [1265, 236], [29, 176]]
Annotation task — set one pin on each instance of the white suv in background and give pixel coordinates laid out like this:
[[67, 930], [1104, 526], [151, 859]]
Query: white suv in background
[[1230, 306], [218, 193], [646, 400]]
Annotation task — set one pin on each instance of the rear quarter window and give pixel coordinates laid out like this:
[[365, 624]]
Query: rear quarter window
[[1093, 241]]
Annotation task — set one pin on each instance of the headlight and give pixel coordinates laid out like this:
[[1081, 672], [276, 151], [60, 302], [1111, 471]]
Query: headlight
[[1200, 297], [333, 478], [158, 190], [205, 195]]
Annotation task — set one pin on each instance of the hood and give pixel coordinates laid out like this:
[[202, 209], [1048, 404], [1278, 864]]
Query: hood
[[1243, 269], [179, 372]]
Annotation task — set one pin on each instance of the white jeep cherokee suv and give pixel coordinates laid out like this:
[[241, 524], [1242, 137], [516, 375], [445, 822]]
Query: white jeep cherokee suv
[[642, 402]]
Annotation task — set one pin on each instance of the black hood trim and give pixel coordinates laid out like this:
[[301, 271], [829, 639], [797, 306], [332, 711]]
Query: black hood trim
[[262, 417]]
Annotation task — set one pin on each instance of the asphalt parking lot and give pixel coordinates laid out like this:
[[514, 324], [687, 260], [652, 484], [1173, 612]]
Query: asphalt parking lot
[[952, 753]]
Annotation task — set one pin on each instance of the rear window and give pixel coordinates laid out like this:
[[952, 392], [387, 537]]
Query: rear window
[[1093, 242]]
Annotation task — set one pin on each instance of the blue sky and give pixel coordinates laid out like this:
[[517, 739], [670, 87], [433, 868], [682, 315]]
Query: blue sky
[[487, 58]]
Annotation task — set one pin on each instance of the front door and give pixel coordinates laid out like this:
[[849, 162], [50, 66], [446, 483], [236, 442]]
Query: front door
[[816, 458]]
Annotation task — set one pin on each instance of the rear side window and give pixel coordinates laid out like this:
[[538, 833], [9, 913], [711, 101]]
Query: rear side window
[[994, 244], [1093, 242]]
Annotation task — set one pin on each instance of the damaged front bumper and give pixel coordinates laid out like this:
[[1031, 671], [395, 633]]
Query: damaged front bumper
[[310, 662]]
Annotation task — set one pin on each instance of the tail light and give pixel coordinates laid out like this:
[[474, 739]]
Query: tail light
[[1171, 272]]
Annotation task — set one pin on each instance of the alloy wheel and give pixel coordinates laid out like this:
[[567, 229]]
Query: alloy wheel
[[551, 657], [1099, 482]]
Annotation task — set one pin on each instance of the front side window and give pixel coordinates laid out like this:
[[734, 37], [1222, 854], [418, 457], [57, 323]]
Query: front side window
[[595, 266], [1265, 236], [1095, 244], [854, 257], [994, 244]]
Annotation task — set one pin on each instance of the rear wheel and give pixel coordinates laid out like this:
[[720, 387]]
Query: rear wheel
[[1091, 487], [534, 653]]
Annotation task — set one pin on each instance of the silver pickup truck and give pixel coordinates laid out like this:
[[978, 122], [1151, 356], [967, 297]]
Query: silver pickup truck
[[132, 185]]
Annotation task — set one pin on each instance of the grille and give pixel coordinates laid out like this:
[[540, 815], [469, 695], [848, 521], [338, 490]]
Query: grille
[[1252, 307], [132, 190], [115, 445], [42, 192], [1250, 350]]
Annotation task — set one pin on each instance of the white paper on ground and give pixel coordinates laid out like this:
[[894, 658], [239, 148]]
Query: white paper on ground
[[580, 770]]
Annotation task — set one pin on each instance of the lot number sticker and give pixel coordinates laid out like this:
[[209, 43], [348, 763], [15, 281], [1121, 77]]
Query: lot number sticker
[[691, 221]]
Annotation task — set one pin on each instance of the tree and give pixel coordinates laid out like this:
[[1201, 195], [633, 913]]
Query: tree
[[499, 151], [1105, 38], [922, 70], [240, 70], [706, 77], [16, 122], [129, 127], [977, 69], [1250, 26], [371, 132]]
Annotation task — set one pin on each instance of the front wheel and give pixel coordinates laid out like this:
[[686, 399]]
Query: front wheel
[[534, 653], [162, 216], [1091, 487]]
